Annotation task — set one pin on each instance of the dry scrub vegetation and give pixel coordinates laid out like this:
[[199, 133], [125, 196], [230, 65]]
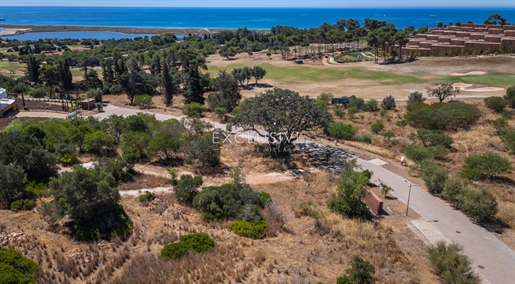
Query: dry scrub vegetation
[[297, 248], [480, 138]]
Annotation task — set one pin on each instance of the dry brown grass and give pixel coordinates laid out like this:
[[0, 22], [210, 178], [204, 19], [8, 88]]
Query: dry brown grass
[[296, 249]]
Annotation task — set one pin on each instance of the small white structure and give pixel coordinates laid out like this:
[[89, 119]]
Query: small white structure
[[6, 104], [3, 93]]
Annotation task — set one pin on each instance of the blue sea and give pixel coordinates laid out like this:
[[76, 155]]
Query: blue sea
[[231, 18]]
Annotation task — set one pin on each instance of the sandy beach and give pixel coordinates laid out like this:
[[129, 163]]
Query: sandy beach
[[13, 31], [16, 29]]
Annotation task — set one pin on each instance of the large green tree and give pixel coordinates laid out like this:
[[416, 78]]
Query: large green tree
[[281, 116]]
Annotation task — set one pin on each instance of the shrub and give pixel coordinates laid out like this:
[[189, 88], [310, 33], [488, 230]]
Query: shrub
[[370, 105], [38, 93], [193, 109], [388, 135], [416, 97], [497, 104], [454, 191], [341, 131], [67, 159], [437, 138], [480, 205], [15, 268], [23, 205], [417, 153], [388, 103], [356, 103], [226, 201], [198, 242], [254, 230], [509, 140], [144, 101], [364, 139], [174, 250], [488, 164], [147, 197], [510, 96], [21, 88], [500, 124], [351, 191], [96, 94], [434, 176], [338, 111], [377, 127], [361, 271], [439, 116], [187, 188], [451, 265], [325, 97]]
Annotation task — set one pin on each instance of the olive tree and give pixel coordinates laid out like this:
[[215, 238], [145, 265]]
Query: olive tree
[[443, 91], [281, 115]]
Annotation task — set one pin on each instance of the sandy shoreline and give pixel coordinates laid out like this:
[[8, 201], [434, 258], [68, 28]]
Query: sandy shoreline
[[17, 29]]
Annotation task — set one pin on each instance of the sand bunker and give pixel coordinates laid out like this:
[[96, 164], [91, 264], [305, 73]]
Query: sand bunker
[[469, 73], [472, 88]]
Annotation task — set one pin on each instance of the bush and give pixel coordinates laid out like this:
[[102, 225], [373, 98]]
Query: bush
[[434, 176], [480, 205], [187, 188], [351, 191], [388, 103], [510, 96], [356, 103], [38, 93], [198, 242], [341, 131], [361, 271], [451, 265], [227, 201], [15, 268], [416, 97], [439, 138], [370, 105], [254, 230], [193, 109], [509, 140], [388, 135], [147, 197], [453, 115], [21, 88], [454, 191], [364, 139], [96, 94], [417, 153], [488, 164], [144, 101], [23, 205], [338, 111], [497, 104], [377, 127], [174, 250]]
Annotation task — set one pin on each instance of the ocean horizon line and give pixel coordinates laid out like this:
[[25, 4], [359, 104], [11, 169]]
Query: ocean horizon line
[[289, 8]]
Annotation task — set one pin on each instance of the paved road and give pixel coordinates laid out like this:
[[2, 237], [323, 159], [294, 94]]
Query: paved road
[[479, 245]]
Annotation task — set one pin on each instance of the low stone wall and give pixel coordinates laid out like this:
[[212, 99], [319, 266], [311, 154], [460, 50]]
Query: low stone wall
[[374, 203]]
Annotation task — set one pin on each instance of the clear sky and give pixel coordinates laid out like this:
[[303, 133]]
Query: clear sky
[[264, 3]]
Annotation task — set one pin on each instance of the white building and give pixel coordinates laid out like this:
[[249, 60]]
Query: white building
[[6, 104]]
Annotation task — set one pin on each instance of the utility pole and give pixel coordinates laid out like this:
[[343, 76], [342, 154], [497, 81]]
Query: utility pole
[[409, 195]]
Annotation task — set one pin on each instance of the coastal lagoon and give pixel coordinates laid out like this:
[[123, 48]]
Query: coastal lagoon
[[232, 18], [75, 35]]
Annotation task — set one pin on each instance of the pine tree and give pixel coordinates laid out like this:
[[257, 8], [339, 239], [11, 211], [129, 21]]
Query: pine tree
[[168, 85]]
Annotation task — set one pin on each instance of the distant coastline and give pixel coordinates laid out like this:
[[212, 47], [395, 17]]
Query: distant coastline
[[21, 29]]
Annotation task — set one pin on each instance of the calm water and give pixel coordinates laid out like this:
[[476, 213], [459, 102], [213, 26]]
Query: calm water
[[74, 35], [253, 18]]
